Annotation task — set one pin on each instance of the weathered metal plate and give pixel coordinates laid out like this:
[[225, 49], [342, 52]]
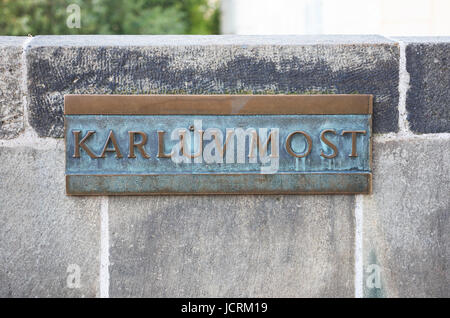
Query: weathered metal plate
[[226, 144]]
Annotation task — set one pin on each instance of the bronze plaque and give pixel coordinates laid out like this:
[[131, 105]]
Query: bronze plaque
[[218, 144]]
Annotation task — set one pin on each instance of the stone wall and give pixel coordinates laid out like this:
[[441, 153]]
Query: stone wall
[[392, 243]]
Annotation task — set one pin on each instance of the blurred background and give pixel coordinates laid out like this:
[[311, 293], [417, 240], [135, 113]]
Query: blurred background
[[386, 17]]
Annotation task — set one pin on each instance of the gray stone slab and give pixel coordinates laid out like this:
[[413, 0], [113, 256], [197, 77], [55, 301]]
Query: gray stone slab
[[407, 219], [11, 91], [202, 40], [12, 41], [427, 102], [209, 65], [232, 246], [423, 39], [42, 231]]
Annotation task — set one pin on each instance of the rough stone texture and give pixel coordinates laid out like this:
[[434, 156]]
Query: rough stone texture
[[209, 65], [428, 99], [11, 91], [232, 246], [407, 219], [42, 230]]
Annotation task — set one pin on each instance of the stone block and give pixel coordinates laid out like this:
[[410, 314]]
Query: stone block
[[427, 102], [232, 246], [407, 220], [59, 65], [11, 90], [45, 236]]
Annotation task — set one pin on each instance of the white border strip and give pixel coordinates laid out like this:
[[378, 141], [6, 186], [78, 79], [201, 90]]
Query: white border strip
[[359, 246], [403, 86], [104, 248]]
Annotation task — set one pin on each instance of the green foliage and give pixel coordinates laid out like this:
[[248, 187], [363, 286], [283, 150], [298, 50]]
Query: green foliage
[[36, 17]]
